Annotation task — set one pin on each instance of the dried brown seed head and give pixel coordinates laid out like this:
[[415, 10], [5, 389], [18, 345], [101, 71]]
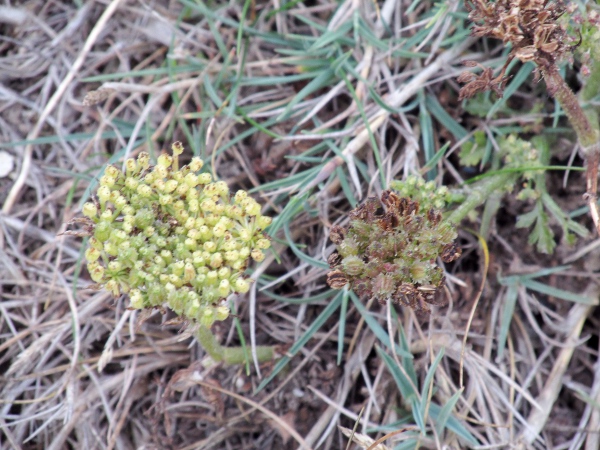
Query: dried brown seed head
[[337, 279]]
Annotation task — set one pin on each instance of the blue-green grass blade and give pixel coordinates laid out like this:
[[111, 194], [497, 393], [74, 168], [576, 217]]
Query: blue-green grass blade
[[418, 414], [291, 209], [453, 424], [404, 385], [428, 382], [457, 130], [341, 175], [377, 329], [437, 157], [427, 137], [303, 256], [559, 293], [342, 327], [322, 80], [407, 363], [308, 334], [445, 412], [510, 300], [511, 88]]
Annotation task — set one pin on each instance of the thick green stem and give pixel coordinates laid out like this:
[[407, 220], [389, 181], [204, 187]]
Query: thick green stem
[[586, 132], [480, 193], [586, 127], [231, 355]]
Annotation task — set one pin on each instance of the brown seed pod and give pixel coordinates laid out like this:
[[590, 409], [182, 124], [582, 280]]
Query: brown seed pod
[[337, 279], [434, 216], [334, 260], [337, 234], [450, 252]]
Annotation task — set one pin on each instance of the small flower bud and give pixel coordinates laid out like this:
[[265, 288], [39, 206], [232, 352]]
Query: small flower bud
[[224, 288], [164, 160], [221, 312], [92, 254], [222, 188], [204, 178], [144, 190], [191, 180], [177, 148], [240, 196], [195, 164], [207, 318], [263, 222], [97, 273], [257, 255], [102, 231], [89, 210], [210, 246], [160, 172], [132, 183], [216, 260], [103, 193], [241, 286], [263, 244], [136, 300], [130, 166], [143, 160]]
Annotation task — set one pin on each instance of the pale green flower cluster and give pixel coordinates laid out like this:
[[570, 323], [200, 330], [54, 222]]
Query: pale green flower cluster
[[426, 193], [170, 236]]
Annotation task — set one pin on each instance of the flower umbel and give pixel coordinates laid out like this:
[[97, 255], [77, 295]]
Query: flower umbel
[[390, 254], [530, 26], [168, 236]]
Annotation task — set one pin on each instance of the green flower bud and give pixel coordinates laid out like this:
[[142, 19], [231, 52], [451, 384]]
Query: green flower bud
[[208, 205], [224, 272], [92, 254], [204, 178], [353, 265], [263, 222], [177, 148], [130, 166], [143, 160], [164, 160], [212, 277], [263, 244], [221, 313], [207, 318], [240, 196], [242, 286], [216, 260], [182, 189], [191, 180], [132, 183], [95, 243], [159, 185], [222, 188], [144, 190], [257, 255], [195, 164], [253, 209], [102, 231], [210, 246], [194, 206], [136, 300], [115, 266], [96, 273], [224, 288], [103, 193], [89, 210]]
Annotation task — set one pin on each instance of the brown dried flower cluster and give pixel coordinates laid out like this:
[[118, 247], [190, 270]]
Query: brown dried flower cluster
[[390, 253], [529, 25]]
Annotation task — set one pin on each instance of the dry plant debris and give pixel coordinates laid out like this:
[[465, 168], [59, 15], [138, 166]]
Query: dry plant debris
[[313, 107]]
